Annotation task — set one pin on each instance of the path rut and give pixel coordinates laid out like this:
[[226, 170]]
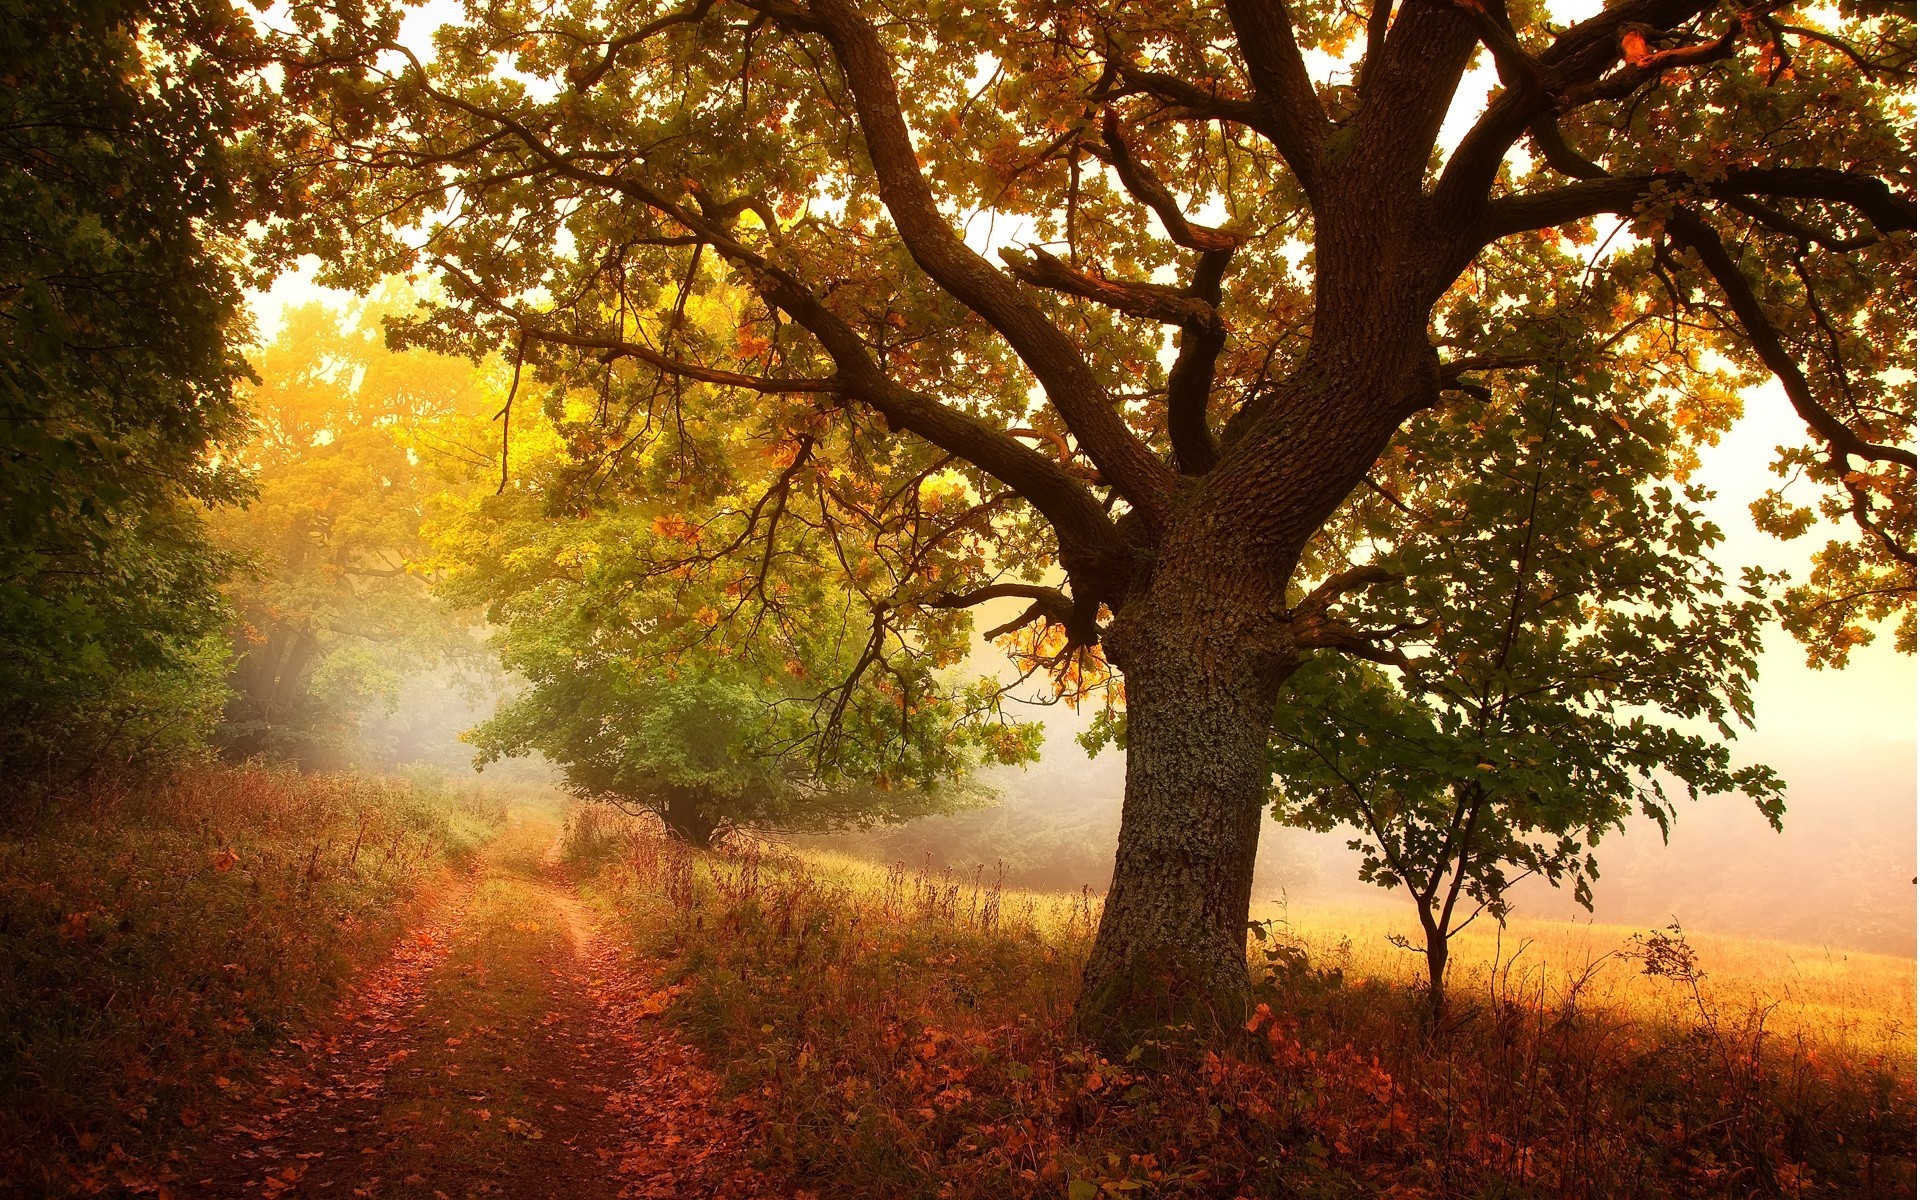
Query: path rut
[[509, 1048]]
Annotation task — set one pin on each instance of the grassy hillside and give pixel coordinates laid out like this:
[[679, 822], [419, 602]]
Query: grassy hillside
[[158, 940], [909, 1034]]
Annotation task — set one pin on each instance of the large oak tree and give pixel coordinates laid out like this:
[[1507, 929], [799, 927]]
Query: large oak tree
[[978, 231]]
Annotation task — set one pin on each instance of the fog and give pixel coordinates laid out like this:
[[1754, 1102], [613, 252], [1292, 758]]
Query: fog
[[1839, 875], [424, 723]]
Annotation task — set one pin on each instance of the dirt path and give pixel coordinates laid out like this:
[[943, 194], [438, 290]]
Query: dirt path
[[508, 1049]]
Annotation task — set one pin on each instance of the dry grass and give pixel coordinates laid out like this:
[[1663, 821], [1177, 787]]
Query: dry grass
[[910, 1036], [154, 940], [1846, 1000]]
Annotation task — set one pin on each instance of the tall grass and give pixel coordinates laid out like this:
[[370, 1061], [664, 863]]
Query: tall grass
[[908, 1034], [155, 937], [1849, 1001]]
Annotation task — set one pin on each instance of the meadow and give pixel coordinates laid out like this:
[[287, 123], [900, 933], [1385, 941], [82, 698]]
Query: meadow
[[1849, 1000], [908, 1033], [160, 939]]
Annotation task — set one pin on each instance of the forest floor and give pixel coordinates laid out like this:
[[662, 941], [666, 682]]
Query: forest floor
[[507, 1049]]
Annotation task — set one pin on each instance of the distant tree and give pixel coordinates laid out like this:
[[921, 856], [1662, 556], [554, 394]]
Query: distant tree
[[121, 196], [611, 598], [707, 749], [1553, 649], [1156, 283], [349, 444]]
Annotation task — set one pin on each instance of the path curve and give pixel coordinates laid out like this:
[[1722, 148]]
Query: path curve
[[509, 1048]]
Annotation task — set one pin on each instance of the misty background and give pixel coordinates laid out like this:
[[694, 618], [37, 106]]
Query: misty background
[[1840, 875]]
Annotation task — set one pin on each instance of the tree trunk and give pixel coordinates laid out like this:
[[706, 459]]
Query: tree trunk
[[1171, 951], [1437, 943], [1204, 648], [690, 818]]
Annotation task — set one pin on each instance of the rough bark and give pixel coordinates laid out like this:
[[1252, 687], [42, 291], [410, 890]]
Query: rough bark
[[1171, 949], [1204, 649]]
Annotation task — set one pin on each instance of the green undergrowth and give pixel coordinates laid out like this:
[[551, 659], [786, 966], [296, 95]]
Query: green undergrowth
[[155, 941], [910, 1035]]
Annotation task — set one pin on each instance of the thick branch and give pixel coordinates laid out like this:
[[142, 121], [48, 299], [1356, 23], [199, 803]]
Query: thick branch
[[1038, 592], [1533, 87], [1068, 380], [1189, 98], [1339, 584], [1644, 65], [1202, 335], [1412, 77], [1779, 222], [1695, 234], [1147, 188], [1322, 632], [1314, 628], [1379, 21], [1049, 603], [1153, 301], [1085, 532], [1869, 196], [1551, 142], [1190, 380], [1297, 124]]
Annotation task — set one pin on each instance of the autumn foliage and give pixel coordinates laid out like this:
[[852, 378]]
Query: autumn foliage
[[911, 1037]]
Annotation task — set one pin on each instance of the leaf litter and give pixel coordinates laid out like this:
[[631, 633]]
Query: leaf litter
[[392, 1100]]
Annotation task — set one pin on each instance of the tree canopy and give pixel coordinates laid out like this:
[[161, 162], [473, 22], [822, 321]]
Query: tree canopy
[[120, 198], [1154, 286], [697, 642]]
